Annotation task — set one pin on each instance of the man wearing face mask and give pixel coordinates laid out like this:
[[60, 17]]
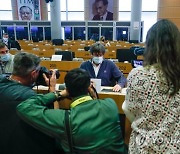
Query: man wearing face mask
[[15, 135], [104, 69], [10, 43], [6, 60]]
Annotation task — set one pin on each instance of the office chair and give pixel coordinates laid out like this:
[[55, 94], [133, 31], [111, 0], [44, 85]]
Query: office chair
[[66, 55], [86, 48], [35, 39], [57, 41]]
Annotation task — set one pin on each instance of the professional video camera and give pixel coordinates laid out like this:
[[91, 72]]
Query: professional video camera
[[40, 80]]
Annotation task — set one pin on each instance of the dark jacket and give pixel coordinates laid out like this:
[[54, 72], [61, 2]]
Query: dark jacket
[[16, 136], [109, 16], [12, 44], [108, 73]]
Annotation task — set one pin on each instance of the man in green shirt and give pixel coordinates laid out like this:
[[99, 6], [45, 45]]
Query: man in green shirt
[[89, 126]]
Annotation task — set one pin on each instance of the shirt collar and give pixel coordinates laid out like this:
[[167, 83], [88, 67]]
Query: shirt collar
[[104, 16]]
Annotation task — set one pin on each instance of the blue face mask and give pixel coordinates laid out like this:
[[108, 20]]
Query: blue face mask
[[98, 60], [4, 57]]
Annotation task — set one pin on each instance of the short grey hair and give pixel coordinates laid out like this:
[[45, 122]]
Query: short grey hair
[[97, 47], [24, 63]]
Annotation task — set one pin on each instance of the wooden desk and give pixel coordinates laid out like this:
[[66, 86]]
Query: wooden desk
[[124, 67], [118, 97], [110, 55], [69, 65], [83, 54], [61, 65], [65, 66]]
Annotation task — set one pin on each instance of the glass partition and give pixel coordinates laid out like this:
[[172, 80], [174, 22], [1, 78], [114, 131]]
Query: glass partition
[[21, 33], [93, 33], [68, 33], [36, 33], [122, 33], [79, 33], [107, 32], [47, 31], [9, 30], [74, 30]]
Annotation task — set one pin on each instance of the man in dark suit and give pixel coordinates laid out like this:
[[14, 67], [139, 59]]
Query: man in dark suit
[[10, 43], [102, 12]]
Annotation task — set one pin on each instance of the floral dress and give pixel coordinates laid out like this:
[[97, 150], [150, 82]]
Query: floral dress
[[155, 115]]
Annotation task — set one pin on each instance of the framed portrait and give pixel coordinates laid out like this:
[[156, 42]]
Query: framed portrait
[[29, 9], [101, 10]]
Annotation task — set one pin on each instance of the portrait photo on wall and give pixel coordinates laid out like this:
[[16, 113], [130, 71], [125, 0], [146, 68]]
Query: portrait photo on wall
[[101, 10], [28, 9]]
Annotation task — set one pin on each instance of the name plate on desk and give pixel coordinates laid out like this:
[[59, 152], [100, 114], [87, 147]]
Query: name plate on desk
[[97, 84], [61, 65], [124, 67]]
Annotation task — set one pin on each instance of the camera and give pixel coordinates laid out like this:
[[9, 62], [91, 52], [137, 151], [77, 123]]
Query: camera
[[43, 70]]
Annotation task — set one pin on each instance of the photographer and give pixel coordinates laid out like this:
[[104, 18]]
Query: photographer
[[86, 127], [15, 135]]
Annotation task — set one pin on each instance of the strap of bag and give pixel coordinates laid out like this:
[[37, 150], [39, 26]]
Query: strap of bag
[[68, 131]]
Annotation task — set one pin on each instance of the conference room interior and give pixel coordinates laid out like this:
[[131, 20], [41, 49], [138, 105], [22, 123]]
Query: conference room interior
[[78, 33]]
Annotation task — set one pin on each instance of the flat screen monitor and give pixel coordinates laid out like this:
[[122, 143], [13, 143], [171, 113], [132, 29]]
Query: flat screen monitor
[[125, 55], [66, 55]]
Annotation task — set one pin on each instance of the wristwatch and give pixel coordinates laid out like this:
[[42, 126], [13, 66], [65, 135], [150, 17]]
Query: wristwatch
[[58, 95]]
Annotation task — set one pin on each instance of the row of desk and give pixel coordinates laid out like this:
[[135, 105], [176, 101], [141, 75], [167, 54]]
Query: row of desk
[[65, 66]]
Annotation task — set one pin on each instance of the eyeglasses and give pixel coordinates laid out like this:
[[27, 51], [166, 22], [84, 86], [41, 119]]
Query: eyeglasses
[[25, 13]]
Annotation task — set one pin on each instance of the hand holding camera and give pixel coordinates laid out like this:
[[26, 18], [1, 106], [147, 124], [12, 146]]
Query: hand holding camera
[[50, 80]]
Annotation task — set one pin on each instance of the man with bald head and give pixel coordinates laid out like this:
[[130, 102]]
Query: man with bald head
[[25, 13]]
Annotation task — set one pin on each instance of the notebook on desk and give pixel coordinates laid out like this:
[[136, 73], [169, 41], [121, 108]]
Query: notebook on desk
[[106, 90], [123, 91]]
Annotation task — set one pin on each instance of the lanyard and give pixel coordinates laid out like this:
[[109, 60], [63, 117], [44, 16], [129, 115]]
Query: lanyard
[[80, 100]]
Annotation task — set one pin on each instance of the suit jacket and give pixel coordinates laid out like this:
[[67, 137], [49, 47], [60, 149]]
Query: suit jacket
[[108, 72], [109, 16], [12, 44], [16, 136]]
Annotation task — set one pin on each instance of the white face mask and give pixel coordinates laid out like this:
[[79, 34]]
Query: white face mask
[[4, 57], [97, 60], [5, 39]]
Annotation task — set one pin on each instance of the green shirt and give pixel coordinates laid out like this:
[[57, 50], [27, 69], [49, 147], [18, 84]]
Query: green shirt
[[94, 124]]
